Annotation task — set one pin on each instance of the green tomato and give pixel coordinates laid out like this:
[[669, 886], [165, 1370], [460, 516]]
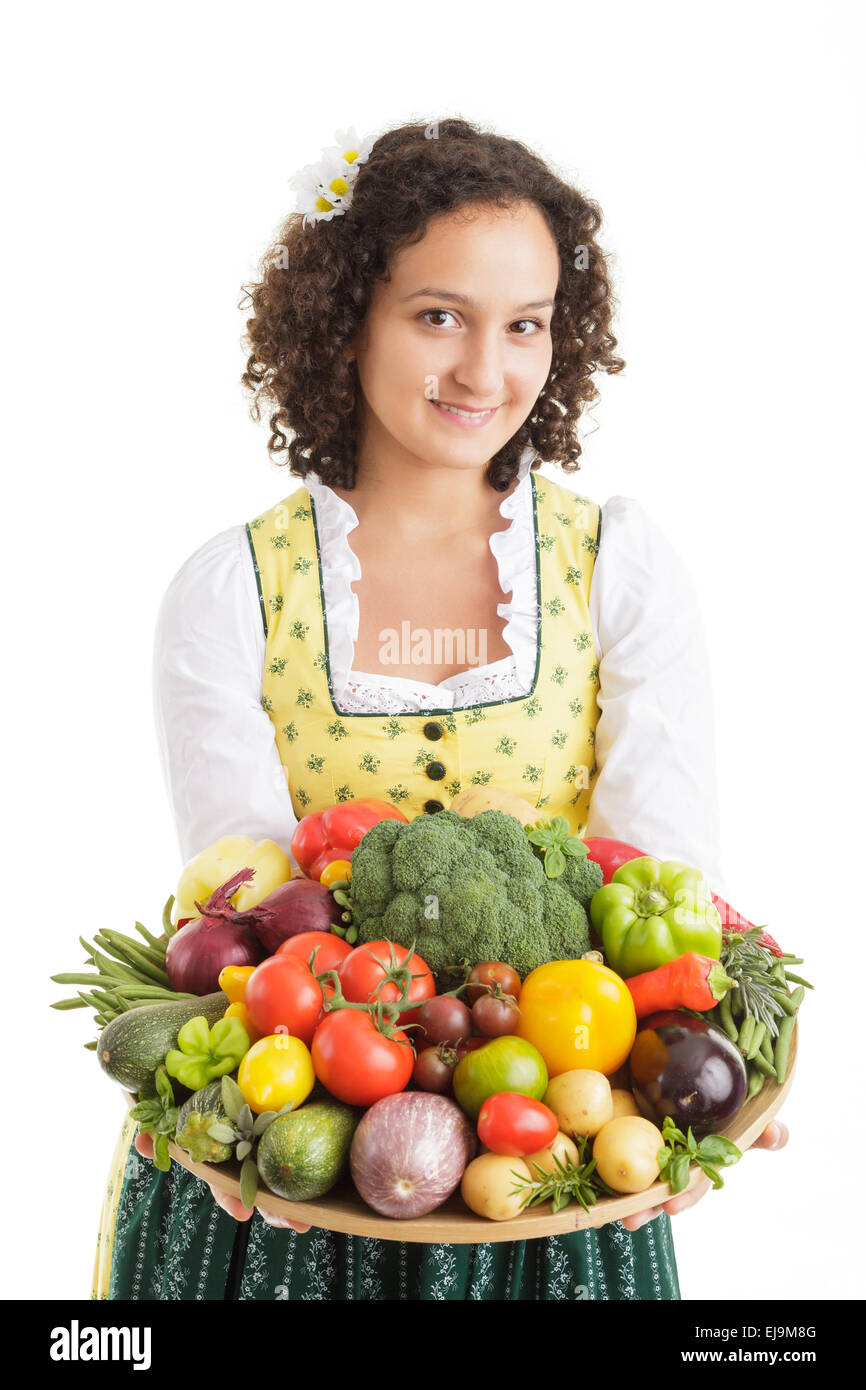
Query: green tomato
[[503, 1064]]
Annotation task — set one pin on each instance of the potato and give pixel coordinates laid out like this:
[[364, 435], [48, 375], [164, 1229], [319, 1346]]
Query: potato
[[624, 1103], [581, 1101], [487, 1183], [625, 1152], [562, 1148]]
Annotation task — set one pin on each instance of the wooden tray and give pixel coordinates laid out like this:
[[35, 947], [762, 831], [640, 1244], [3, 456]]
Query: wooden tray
[[342, 1209]]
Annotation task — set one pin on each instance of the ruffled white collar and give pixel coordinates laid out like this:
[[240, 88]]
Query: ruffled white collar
[[514, 551]]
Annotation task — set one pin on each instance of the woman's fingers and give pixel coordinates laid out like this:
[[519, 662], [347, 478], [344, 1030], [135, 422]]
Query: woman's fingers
[[640, 1218], [775, 1136], [281, 1223], [144, 1145], [233, 1206]]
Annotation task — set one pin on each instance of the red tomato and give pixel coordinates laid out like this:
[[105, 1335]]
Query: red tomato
[[515, 1125], [356, 1062], [330, 950], [364, 970], [282, 995]]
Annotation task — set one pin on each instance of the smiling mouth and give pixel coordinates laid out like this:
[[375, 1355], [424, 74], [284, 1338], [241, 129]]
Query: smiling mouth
[[465, 413]]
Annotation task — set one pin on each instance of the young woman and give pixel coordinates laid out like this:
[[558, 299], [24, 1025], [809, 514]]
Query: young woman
[[426, 335]]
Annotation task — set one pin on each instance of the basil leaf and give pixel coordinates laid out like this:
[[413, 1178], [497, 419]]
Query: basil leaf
[[717, 1149], [679, 1173]]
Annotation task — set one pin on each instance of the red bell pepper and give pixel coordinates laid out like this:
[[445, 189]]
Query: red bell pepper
[[611, 854], [324, 836]]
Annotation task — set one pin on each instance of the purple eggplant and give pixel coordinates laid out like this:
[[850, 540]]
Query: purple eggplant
[[683, 1067]]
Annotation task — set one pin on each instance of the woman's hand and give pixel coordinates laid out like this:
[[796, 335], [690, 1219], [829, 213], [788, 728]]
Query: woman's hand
[[233, 1206], [775, 1136]]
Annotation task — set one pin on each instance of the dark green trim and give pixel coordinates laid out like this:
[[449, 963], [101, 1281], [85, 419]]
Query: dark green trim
[[258, 580], [426, 713]]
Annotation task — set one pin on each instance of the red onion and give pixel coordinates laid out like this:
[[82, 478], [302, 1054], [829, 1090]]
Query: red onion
[[297, 906], [409, 1152], [197, 952]]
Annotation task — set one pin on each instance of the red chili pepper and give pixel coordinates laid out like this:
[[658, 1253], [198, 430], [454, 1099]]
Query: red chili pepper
[[333, 833], [611, 854], [689, 982]]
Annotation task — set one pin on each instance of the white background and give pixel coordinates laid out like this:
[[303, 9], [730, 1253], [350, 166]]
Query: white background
[[149, 153]]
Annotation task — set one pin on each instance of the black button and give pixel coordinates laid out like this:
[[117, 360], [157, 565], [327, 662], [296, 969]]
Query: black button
[[431, 806], [433, 730], [436, 771]]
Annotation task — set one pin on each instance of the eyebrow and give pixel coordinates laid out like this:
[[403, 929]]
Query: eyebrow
[[434, 293]]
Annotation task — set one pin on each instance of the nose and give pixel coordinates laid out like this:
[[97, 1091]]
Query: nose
[[479, 367]]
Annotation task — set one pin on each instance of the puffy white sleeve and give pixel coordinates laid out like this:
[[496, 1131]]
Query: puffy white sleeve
[[656, 787], [219, 756]]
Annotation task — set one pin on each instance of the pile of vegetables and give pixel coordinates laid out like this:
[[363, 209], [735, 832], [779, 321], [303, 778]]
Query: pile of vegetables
[[426, 989]]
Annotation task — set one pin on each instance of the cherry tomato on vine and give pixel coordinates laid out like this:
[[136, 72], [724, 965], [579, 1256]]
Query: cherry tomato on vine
[[490, 973], [357, 1063], [283, 996], [330, 950], [443, 1019], [364, 970], [433, 1069]]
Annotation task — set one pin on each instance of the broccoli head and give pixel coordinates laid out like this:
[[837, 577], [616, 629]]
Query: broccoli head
[[467, 889]]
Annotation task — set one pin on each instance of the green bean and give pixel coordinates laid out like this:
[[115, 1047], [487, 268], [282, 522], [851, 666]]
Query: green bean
[[756, 1040], [153, 972], [135, 949], [778, 974], [746, 1033], [113, 967], [91, 1046], [70, 1004], [798, 980], [726, 1018], [154, 941], [756, 1081], [764, 1067], [785, 1001], [767, 1047], [109, 980], [787, 959], [783, 1048]]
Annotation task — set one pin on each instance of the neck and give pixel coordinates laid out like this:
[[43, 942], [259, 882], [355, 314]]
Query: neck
[[415, 500]]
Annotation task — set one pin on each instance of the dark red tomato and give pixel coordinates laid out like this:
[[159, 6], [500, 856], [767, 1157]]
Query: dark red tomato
[[282, 995], [443, 1020], [356, 1062], [364, 970], [434, 1068], [487, 975], [493, 1017], [515, 1125], [469, 1045], [330, 950]]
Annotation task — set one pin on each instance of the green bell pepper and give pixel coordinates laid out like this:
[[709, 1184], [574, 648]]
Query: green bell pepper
[[202, 1054], [653, 912]]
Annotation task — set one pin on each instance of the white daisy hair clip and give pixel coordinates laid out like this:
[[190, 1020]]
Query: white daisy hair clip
[[324, 190]]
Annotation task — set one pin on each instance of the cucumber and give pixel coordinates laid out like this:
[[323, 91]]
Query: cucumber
[[302, 1154], [193, 1120], [134, 1044]]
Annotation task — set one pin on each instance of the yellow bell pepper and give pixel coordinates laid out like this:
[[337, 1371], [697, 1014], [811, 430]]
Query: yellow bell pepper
[[218, 863]]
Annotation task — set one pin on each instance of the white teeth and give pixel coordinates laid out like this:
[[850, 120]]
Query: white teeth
[[468, 414]]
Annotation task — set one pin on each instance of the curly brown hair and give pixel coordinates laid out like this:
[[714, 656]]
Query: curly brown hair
[[315, 286]]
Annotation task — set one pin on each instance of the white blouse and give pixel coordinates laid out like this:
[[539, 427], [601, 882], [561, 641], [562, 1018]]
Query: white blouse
[[655, 746]]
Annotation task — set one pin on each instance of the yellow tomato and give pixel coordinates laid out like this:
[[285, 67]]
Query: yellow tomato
[[277, 1069], [579, 1015], [239, 1010], [233, 981], [335, 872]]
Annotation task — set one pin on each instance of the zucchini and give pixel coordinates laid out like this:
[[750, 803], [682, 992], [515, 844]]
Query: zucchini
[[134, 1044]]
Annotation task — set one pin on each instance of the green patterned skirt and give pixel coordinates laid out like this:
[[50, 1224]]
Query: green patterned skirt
[[163, 1237]]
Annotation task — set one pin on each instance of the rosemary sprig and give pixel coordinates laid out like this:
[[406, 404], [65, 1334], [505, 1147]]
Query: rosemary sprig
[[568, 1180], [750, 964]]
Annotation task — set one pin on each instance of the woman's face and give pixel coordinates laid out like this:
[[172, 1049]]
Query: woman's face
[[464, 321]]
